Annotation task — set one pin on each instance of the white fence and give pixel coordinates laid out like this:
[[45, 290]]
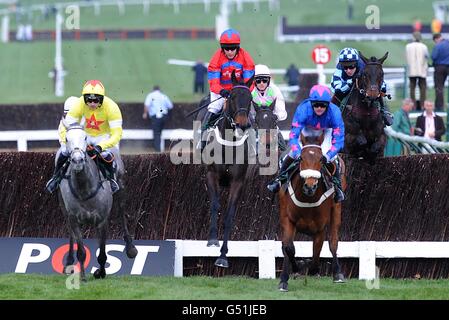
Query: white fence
[[268, 250], [23, 136]]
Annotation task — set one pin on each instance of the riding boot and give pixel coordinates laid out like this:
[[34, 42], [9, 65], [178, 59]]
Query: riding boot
[[204, 126], [387, 116], [336, 180], [275, 185], [58, 174], [110, 166]]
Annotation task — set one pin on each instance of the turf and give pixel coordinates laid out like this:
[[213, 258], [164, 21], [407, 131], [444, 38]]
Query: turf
[[14, 286]]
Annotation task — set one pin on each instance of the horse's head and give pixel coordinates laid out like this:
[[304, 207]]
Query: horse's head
[[239, 103], [311, 153], [76, 145], [266, 122], [370, 81]]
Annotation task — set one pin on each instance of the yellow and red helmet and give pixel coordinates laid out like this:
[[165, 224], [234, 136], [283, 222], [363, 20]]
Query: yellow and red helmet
[[93, 87]]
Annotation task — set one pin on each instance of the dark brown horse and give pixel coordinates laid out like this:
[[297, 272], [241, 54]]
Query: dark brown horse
[[307, 206], [229, 154], [364, 129]]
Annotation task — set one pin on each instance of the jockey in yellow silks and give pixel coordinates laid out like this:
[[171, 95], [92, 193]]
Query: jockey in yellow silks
[[103, 126]]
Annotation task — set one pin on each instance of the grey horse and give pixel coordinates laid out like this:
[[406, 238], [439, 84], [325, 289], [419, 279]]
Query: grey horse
[[86, 199]]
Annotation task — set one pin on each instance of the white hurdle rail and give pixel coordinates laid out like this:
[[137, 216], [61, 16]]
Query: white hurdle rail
[[268, 250], [23, 136]]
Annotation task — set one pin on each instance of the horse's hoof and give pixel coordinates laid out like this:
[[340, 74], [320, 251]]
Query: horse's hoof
[[131, 252], [99, 274], [283, 287], [339, 278], [213, 243], [222, 262], [296, 275]]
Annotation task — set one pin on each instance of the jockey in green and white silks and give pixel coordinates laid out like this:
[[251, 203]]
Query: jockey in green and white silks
[[265, 92]]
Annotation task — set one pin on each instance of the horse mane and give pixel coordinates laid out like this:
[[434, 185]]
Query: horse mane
[[311, 135]]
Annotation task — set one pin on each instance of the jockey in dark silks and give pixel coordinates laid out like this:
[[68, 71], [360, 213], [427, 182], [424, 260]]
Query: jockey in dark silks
[[320, 113], [349, 67]]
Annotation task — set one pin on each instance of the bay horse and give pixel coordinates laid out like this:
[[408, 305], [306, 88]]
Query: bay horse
[[230, 161], [364, 128], [307, 206]]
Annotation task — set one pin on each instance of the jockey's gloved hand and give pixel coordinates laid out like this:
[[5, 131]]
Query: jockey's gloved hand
[[349, 82], [98, 149], [94, 150], [224, 93]]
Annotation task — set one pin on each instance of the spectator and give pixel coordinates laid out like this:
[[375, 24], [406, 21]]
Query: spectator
[[440, 57], [292, 75], [417, 54], [200, 77], [429, 124], [401, 124], [157, 106]]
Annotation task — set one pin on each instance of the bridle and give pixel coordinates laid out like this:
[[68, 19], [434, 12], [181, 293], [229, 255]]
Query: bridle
[[230, 118], [363, 91]]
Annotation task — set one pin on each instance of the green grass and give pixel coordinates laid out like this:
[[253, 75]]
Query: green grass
[[129, 69], [13, 286]]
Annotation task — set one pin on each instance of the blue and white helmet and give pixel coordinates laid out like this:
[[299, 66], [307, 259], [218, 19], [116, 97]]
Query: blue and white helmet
[[348, 55]]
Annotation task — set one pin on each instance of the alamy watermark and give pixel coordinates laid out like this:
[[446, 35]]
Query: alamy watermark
[[373, 19], [72, 19], [73, 278]]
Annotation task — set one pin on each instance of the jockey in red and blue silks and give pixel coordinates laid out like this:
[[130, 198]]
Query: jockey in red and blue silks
[[320, 113], [230, 57]]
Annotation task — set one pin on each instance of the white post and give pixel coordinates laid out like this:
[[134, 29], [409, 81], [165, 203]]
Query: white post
[[179, 256], [176, 6], [121, 8], [22, 144], [97, 8], [146, 7], [206, 6], [267, 259], [239, 6], [367, 260], [321, 74], [5, 29], [59, 76]]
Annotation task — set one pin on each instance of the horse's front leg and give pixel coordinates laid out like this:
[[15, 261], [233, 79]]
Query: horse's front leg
[[318, 240], [214, 197], [101, 272], [333, 242], [288, 249], [70, 259], [81, 255], [234, 195]]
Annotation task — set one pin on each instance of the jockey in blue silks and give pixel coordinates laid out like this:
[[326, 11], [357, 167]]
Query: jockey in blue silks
[[349, 66], [317, 112]]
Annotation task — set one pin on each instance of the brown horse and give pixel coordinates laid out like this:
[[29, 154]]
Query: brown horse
[[307, 206], [229, 152], [364, 129]]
